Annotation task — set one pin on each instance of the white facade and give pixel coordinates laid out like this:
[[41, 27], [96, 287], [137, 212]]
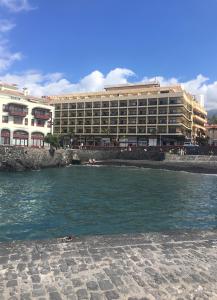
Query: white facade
[[24, 120]]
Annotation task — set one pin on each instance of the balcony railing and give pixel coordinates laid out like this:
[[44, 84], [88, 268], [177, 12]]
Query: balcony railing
[[42, 116], [17, 113]]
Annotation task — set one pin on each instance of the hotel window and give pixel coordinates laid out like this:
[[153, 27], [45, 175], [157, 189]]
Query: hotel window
[[72, 106], [105, 104], [142, 121], [163, 111], [162, 120], [114, 103], [26, 121], [123, 112], [88, 113], [40, 123], [162, 129], [122, 121], [141, 130], [32, 122], [80, 105], [152, 121], [5, 107], [142, 111], [142, 102], [123, 103], [131, 129], [18, 120], [163, 101], [175, 100], [114, 122], [114, 112], [152, 111], [152, 130], [172, 129], [173, 121], [65, 106], [132, 120], [57, 106], [96, 113], [122, 130], [152, 102], [80, 114], [4, 119], [132, 112], [132, 102], [173, 111], [88, 105], [97, 104]]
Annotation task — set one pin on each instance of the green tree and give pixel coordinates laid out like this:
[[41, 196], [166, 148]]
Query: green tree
[[213, 119], [52, 139]]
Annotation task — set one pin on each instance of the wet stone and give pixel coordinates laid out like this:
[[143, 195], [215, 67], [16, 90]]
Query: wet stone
[[11, 283], [55, 296], [105, 285], [76, 282], [96, 296], [92, 285], [35, 278], [82, 294], [110, 295]]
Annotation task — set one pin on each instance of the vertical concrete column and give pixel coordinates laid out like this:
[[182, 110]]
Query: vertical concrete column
[[29, 138], [11, 137]]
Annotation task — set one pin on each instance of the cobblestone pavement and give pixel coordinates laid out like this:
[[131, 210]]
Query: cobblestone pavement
[[178, 265]]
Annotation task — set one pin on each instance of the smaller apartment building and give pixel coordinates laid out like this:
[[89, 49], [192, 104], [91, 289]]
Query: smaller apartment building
[[136, 114], [24, 120], [212, 134]]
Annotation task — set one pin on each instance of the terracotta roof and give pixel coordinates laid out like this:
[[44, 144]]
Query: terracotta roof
[[11, 92]]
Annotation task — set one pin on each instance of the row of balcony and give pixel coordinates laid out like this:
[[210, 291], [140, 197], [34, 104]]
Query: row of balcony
[[22, 111], [129, 130], [121, 103], [122, 113]]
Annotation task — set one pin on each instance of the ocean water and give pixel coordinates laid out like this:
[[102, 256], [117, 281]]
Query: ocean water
[[82, 200]]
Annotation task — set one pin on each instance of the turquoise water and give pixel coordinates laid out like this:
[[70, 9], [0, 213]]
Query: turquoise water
[[82, 200]]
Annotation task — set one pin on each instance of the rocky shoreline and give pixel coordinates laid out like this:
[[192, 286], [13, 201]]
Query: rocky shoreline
[[21, 159]]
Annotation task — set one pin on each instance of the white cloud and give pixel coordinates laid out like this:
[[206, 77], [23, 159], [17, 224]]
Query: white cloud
[[41, 84], [196, 86], [7, 58], [16, 5], [55, 83], [6, 25]]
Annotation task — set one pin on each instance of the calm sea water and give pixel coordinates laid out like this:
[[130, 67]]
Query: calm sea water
[[83, 200]]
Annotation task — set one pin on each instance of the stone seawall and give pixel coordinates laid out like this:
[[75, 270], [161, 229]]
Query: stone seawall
[[23, 158], [20, 158], [101, 155]]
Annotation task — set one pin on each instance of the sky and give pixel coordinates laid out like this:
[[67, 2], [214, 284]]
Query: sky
[[63, 46]]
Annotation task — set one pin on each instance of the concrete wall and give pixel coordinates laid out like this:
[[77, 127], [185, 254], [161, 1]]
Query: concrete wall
[[138, 154]]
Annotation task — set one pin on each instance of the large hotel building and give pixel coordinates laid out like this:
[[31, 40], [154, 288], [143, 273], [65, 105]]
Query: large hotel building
[[136, 114], [24, 120]]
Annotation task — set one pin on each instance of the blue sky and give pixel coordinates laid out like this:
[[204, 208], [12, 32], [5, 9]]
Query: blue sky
[[79, 43]]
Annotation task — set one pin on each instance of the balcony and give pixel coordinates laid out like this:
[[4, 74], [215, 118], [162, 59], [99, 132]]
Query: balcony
[[17, 113], [16, 110], [41, 114]]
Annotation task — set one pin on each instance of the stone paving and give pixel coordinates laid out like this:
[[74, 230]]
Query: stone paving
[[176, 265]]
